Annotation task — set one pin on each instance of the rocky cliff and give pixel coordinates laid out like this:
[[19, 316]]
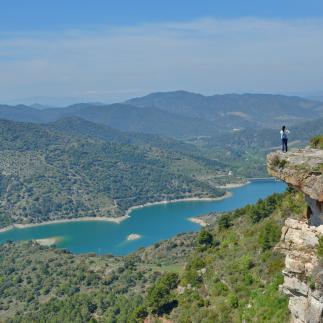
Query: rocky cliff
[[303, 272]]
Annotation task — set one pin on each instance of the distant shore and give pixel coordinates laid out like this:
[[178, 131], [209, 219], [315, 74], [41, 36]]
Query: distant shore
[[85, 219], [261, 178], [188, 199], [234, 185], [48, 241], [117, 220]]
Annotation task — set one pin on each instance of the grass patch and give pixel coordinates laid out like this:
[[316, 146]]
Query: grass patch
[[320, 248], [280, 163], [317, 142]]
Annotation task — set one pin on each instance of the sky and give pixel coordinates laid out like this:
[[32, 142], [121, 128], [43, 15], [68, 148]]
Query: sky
[[60, 52]]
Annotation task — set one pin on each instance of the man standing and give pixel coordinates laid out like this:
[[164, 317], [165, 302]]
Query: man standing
[[284, 138]]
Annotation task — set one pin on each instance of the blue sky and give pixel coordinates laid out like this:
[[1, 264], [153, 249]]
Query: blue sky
[[47, 14], [111, 50]]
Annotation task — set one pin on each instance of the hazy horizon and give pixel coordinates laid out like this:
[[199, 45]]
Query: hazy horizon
[[109, 52], [67, 101]]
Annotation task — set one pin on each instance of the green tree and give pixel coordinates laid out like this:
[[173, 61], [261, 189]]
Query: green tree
[[204, 239], [224, 222], [139, 314], [269, 235], [160, 298]]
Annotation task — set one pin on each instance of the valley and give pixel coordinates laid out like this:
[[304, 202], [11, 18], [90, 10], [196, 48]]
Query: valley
[[87, 233], [152, 223], [161, 161]]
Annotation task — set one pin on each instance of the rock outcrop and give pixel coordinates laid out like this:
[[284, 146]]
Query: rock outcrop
[[302, 169], [303, 272]]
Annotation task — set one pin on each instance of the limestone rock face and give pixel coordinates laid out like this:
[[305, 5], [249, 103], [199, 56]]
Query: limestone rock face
[[302, 169], [303, 272]]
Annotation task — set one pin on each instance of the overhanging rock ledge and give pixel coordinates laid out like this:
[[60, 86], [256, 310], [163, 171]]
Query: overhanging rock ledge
[[303, 170]]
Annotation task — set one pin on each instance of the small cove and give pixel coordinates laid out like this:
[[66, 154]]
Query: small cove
[[149, 224]]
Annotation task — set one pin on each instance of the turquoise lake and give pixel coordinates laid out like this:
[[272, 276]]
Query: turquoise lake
[[153, 223]]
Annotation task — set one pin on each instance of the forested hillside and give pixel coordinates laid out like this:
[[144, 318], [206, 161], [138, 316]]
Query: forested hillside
[[39, 284], [234, 272], [79, 126], [228, 272], [82, 167], [47, 175], [120, 116], [263, 139], [245, 150]]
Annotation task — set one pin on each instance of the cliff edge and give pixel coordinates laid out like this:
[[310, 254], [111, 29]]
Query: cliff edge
[[303, 170], [300, 240]]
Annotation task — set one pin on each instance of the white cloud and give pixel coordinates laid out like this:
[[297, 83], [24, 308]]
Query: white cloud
[[208, 56]]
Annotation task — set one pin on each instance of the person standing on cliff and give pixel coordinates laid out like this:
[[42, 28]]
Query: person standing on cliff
[[284, 138]]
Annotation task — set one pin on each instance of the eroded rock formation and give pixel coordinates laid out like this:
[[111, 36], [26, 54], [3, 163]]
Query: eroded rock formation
[[303, 272], [302, 169]]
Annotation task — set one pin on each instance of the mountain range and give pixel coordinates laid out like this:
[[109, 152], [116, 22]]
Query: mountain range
[[94, 160], [98, 160], [235, 110], [181, 114]]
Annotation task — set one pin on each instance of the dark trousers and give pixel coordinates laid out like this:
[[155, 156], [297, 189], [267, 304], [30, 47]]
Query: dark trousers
[[284, 145]]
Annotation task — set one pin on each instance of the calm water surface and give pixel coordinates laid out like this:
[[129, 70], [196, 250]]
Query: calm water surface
[[153, 223]]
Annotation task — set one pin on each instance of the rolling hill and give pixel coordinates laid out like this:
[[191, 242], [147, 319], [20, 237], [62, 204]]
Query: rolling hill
[[235, 110], [47, 174], [264, 139], [181, 114], [120, 116]]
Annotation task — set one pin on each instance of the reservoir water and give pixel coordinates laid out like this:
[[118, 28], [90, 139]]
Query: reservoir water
[[152, 223]]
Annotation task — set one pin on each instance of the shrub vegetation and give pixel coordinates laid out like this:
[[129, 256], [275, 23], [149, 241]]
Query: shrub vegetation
[[221, 274], [317, 142]]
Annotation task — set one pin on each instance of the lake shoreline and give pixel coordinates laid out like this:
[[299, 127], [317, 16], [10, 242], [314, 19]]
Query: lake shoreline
[[233, 185], [200, 218], [145, 226], [247, 181], [198, 221], [189, 199], [81, 219], [116, 220], [48, 242]]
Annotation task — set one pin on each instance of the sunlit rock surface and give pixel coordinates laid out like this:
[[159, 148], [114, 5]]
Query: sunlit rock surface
[[302, 169], [303, 272]]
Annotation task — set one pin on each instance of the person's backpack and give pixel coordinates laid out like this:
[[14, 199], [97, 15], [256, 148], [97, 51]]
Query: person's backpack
[[284, 135]]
